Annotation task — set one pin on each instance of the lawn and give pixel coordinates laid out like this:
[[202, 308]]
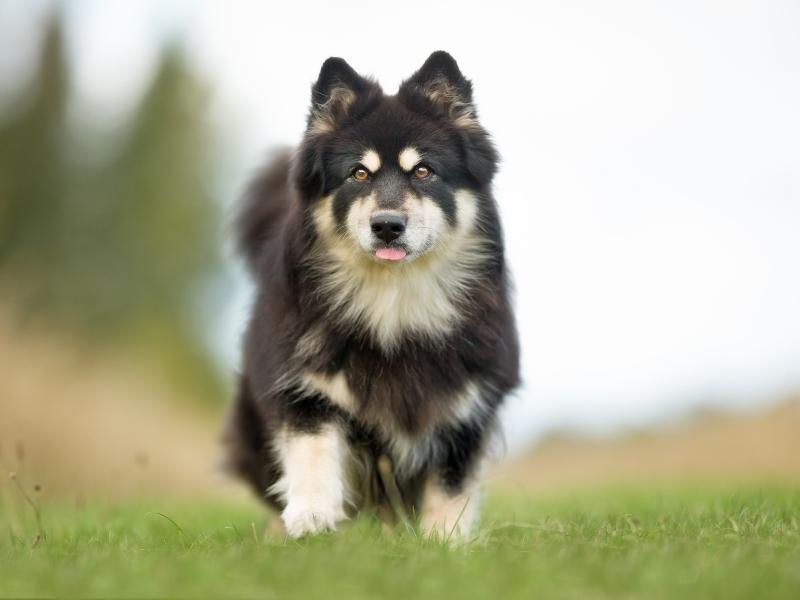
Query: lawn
[[614, 543]]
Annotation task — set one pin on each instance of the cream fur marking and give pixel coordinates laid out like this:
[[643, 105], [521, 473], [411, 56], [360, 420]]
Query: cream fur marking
[[462, 113], [409, 158], [425, 224], [371, 161], [358, 221], [447, 516], [466, 210], [325, 115], [314, 480], [409, 454], [323, 216], [468, 404], [310, 343], [334, 387]]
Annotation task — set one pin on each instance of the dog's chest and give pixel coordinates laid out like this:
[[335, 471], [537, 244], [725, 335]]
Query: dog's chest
[[405, 423], [410, 392]]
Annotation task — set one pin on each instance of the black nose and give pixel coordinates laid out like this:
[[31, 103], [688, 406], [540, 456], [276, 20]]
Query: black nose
[[388, 226]]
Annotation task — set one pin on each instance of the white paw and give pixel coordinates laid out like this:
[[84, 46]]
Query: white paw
[[310, 515]]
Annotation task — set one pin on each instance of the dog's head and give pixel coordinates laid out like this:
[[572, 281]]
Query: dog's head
[[394, 178]]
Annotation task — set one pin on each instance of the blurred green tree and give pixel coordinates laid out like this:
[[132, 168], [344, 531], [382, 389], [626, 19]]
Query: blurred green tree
[[32, 170], [124, 250]]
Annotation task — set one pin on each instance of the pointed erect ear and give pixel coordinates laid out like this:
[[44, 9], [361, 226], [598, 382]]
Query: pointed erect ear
[[439, 87], [440, 90], [334, 94]]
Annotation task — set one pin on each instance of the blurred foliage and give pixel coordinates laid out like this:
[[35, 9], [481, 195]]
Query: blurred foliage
[[122, 251]]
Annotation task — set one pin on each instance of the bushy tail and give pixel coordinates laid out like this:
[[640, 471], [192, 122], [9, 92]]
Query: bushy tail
[[262, 207]]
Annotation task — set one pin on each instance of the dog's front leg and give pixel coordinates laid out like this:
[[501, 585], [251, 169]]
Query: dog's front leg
[[313, 484]]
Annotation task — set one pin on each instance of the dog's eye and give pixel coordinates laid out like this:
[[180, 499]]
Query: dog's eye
[[422, 172], [360, 174]]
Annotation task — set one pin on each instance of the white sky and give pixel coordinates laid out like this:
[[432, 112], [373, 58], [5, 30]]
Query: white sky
[[650, 184]]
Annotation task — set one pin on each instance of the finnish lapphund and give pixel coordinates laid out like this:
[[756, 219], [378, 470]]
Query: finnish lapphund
[[382, 339]]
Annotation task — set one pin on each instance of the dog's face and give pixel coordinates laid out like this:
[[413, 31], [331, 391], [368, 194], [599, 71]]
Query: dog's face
[[394, 177]]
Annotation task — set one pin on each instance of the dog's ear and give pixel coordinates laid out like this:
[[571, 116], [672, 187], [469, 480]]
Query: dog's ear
[[439, 87], [338, 96], [337, 90], [440, 90]]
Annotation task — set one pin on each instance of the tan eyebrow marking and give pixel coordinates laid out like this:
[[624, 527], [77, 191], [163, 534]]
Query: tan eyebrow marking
[[409, 158], [371, 160]]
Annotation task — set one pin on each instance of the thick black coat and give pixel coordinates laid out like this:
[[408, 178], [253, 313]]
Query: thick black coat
[[404, 390]]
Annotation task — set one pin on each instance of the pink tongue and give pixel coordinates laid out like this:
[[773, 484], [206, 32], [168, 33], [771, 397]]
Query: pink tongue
[[390, 253]]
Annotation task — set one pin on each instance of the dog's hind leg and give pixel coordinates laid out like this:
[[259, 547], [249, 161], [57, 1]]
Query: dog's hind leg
[[449, 514], [450, 495]]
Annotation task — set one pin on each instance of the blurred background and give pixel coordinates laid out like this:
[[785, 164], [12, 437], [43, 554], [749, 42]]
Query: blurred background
[[650, 188]]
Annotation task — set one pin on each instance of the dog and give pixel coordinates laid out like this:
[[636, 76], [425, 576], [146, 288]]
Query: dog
[[382, 339]]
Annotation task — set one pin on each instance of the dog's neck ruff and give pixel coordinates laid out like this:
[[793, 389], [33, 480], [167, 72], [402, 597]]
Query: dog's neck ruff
[[425, 297]]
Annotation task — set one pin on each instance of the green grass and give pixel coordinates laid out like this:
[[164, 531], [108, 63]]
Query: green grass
[[645, 543]]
